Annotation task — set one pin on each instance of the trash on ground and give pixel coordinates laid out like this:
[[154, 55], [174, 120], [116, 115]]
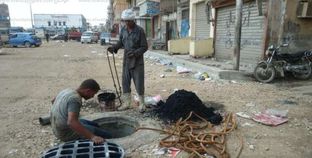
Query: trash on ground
[[94, 51], [66, 55], [152, 100], [161, 151], [251, 147], [170, 152], [276, 112], [181, 103], [181, 70], [201, 76], [173, 152], [162, 76], [13, 151], [233, 81], [267, 119], [201, 135], [243, 115]]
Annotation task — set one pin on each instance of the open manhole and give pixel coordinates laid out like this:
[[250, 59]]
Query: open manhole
[[118, 126]]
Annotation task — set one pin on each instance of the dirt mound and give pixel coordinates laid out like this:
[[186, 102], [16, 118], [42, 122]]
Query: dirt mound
[[181, 103]]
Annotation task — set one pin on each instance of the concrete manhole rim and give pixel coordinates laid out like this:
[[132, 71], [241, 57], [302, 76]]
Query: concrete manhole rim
[[123, 116]]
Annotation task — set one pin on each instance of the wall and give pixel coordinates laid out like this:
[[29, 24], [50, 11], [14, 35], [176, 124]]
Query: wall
[[285, 27], [72, 20], [181, 46], [201, 48], [297, 31]]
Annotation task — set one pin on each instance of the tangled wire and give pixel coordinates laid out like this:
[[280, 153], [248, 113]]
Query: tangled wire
[[198, 138]]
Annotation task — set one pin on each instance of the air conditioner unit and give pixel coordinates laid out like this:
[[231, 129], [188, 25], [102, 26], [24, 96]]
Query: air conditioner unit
[[304, 9]]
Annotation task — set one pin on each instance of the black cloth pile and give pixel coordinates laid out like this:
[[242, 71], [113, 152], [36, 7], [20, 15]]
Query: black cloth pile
[[181, 103]]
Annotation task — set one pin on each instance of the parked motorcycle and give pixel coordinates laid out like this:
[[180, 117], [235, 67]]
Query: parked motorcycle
[[299, 64]]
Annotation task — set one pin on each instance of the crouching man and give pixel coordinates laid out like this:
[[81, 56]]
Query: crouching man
[[65, 110]]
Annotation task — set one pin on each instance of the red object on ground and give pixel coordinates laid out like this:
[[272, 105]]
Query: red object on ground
[[269, 120]]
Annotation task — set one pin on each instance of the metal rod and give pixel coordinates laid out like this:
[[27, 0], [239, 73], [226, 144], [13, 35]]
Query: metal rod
[[110, 68], [114, 62]]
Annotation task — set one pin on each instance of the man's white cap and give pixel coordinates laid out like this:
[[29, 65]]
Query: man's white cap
[[127, 14]]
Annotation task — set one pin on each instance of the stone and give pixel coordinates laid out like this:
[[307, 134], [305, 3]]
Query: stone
[[251, 147]]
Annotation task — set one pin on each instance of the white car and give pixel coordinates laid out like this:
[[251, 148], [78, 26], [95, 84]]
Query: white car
[[89, 37]]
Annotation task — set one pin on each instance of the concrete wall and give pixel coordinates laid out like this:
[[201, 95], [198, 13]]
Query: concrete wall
[[181, 46], [201, 48], [297, 31], [286, 27]]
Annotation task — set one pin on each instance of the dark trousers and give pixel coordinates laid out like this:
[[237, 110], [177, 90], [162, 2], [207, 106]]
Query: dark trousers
[[95, 129], [137, 74]]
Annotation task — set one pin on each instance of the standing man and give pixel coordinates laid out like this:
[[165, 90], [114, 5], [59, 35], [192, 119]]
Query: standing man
[[132, 39], [65, 111], [47, 36]]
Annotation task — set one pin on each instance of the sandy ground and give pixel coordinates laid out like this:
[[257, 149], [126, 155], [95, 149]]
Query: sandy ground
[[31, 77]]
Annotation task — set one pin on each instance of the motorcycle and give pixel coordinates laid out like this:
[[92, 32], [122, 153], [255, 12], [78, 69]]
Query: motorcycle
[[299, 64]]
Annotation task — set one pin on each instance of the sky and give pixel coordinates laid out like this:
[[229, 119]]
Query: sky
[[95, 11]]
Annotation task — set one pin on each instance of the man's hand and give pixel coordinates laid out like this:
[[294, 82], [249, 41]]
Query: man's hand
[[130, 54], [111, 50], [97, 139]]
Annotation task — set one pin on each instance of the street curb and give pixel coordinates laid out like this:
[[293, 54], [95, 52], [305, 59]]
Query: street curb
[[213, 72]]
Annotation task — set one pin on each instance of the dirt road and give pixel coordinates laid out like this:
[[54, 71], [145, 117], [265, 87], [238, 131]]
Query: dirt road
[[31, 77]]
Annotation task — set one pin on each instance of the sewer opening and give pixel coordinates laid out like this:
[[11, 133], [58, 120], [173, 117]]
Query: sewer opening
[[118, 127]]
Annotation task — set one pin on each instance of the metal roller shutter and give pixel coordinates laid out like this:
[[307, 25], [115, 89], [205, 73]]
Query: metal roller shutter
[[252, 33], [202, 26]]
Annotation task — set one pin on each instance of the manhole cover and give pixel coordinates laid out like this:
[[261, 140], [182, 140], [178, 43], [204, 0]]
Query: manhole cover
[[85, 149], [118, 126]]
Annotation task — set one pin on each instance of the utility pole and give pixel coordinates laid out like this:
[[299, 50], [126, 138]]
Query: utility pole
[[238, 32], [31, 16]]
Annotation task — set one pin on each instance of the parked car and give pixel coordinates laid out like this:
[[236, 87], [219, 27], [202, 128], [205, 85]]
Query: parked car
[[24, 39], [89, 37], [74, 35], [105, 38], [57, 37]]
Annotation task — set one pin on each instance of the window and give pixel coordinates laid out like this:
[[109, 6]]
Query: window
[[60, 23], [64, 23], [49, 23], [13, 36], [55, 23]]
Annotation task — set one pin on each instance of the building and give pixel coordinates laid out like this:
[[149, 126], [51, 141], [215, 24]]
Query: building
[[264, 22], [148, 17], [4, 16], [118, 7], [110, 17], [60, 21]]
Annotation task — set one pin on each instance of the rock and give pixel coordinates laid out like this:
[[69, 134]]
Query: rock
[[162, 76], [267, 149], [251, 147]]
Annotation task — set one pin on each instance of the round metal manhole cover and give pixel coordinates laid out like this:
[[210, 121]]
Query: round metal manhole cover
[[85, 149]]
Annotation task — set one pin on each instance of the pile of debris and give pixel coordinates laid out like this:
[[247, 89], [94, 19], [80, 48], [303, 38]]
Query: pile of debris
[[181, 103]]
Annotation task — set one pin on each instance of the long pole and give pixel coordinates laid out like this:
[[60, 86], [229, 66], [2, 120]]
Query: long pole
[[238, 31], [31, 16]]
